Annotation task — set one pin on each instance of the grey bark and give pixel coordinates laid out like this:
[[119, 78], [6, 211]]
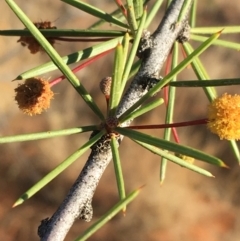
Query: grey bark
[[78, 201]]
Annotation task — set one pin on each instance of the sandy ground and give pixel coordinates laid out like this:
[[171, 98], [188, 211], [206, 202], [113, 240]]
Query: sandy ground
[[186, 207]]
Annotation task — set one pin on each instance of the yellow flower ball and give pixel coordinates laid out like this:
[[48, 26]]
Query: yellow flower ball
[[224, 117]]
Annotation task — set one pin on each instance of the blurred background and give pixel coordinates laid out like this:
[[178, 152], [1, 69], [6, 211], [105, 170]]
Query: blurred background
[[186, 207]]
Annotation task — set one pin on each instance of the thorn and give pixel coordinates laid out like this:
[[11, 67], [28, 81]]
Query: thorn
[[225, 166], [141, 187], [17, 203], [124, 211], [15, 79]]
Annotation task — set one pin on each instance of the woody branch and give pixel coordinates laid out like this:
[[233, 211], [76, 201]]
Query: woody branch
[[78, 201]]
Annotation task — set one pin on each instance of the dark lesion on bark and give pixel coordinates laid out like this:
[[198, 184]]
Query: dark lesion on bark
[[184, 34], [147, 41], [43, 227], [103, 144], [148, 83], [86, 212], [145, 45]]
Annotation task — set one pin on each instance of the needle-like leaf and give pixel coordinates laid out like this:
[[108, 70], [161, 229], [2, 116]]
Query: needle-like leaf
[[56, 171], [56, 58], [170, 146], [108, 216], [175, 159], [47, 134], [118, 169], [95, 12], [175, 71]]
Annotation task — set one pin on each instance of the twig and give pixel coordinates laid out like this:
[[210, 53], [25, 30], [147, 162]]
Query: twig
[[78, 201]]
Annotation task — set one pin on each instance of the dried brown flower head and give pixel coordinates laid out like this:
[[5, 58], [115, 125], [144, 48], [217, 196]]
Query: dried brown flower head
[[105, 86], [32, 43], [33, 97]]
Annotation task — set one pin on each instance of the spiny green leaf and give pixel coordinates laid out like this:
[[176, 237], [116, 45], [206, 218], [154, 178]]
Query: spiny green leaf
[[107, 216], [118, 169], [133, 51], [95, 12], [170, 146], [169, 112], [59, 169], [142, 110], [211, 30], [212, 82], [116, 80], [65, 33], [71, 58], [200, 72], [175, 159], [47, 134], [175, 71], [56, 58], [217, 42]]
